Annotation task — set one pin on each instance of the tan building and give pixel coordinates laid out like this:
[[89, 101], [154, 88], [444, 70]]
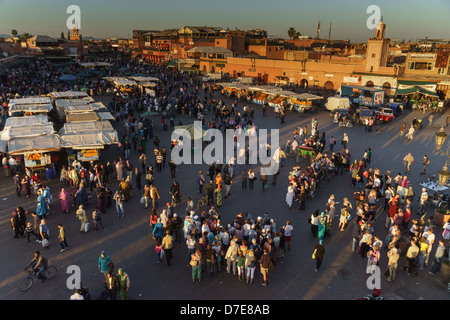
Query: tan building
[[233, 40], [430, 63], [304, 73], [377, 49], [209, 59], [191, 34]]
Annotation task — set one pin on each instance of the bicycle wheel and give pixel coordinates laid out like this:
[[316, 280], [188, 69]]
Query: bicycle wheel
[[26, 284], [50, 272]]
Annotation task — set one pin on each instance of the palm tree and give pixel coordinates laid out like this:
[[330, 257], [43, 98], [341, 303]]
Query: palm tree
[[25, 36], [292, 32]]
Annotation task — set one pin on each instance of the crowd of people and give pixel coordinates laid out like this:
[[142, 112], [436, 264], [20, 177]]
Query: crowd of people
[[408, 231], [239, 246]]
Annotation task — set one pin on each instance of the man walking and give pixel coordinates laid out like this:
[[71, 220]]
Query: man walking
[[425, 163], [62, 238], [227, 184], [392, 264], [408, 161], [402, 130], [318, 255], [264, 266], [209, 190], [167, 245], [438, 257], [159, 161], [173, 168], [112, 285], [411, 256], [201, 181], [119, 198], [154, 195]]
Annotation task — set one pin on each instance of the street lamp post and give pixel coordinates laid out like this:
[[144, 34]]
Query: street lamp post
[[440, 137]]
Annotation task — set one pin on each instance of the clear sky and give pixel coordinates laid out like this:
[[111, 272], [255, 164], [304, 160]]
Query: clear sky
[[405, 19]]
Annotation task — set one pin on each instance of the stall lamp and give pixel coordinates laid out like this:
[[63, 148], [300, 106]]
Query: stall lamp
[[440, 138], [443, 176]]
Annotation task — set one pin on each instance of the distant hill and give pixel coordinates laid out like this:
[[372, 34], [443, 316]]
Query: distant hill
[[5, 36]]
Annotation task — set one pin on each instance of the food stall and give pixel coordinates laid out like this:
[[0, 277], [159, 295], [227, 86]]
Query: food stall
[[62, 104], [70, 94], [32, 135], [36, 152], [146, 85], [260, 97], [304, 101], [33, 105], [82, 113], [122, 84], [276, 100], [85, 140], [233, 89]]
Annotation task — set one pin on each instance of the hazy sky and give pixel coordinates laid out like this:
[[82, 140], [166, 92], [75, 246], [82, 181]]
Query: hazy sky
[[405, 19]]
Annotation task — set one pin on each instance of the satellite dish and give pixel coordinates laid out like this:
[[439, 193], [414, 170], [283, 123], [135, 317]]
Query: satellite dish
[[5, 54]]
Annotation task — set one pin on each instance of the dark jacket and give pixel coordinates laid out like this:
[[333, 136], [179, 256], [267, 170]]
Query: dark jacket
[[320, 251], [265, 260]]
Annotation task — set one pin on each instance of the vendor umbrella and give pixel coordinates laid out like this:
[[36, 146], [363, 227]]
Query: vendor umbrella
[[85, 89], [68, 77]]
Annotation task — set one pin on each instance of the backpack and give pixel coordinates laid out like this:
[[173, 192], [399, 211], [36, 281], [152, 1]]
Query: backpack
[[97, 216]]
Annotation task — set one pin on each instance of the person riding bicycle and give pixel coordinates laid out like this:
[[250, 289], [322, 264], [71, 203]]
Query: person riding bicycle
[[38, 265]]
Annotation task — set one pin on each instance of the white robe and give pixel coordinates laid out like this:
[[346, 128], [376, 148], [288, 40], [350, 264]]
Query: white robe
[[290, 196]]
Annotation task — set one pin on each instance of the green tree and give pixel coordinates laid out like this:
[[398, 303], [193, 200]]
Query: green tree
[[292, 33], [14, 32], [25, 36]]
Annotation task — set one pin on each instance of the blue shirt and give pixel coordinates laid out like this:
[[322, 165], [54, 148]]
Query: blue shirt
[[102, 262]]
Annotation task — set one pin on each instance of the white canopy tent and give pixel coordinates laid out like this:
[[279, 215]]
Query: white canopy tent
[[24, 128], [68, 94], [25, 121], [105, 116], [26, 131], [91, 107], [43, 144], [30, 100], [30, 108], [121, 81], [82, 117], [144, 79], [88, 135]]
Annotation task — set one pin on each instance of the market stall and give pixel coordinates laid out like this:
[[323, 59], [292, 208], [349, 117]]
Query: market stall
[[89, 135], [36, 151], [29, 106], [304, 101], [62, 104], [68, 95], [85, 112], [122, 83]]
